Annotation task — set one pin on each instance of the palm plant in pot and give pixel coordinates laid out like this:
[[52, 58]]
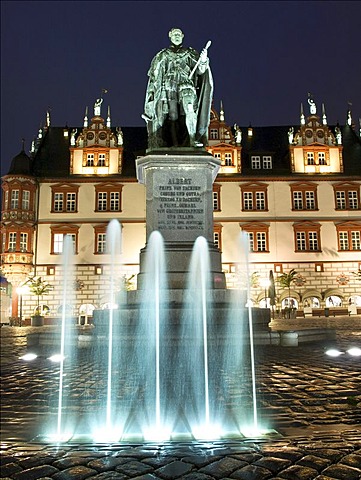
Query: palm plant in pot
[[38, 287], [285, 280]]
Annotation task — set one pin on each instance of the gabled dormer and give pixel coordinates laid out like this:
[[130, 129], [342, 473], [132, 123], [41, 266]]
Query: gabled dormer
[[223, 144], [97, 149], [315, 148]]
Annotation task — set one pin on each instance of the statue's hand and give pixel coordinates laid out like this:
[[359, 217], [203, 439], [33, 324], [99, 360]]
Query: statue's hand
[[203, 56]]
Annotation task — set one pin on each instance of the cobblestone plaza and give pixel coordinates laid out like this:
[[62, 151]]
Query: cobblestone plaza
[[311, 400]]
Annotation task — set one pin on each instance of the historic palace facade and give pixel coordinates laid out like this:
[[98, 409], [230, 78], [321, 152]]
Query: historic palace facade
[[295, 191]]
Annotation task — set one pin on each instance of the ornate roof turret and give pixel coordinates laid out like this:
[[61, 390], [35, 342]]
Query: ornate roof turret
[[20, 164]]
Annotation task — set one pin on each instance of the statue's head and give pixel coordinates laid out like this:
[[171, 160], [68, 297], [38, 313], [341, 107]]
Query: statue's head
[[176, 36]]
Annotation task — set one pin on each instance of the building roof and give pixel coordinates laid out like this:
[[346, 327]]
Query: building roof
[[52, 156]]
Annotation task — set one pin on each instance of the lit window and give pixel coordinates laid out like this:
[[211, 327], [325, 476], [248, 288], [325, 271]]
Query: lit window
[[247, 201], [14, 199], [216, 197], [255, 162], [217, 155], [341, 200], [26, 200], [6, 200], [101, 160], [267, 162], [310, 200], [216, 236], [58, 242], [352, 200], [12, 242], [90, 160], [260, 201], [23, 242]]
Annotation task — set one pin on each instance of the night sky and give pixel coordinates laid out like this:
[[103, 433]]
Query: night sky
[[265, 58]]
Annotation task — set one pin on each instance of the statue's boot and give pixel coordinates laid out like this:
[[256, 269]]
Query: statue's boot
[[191, 122]]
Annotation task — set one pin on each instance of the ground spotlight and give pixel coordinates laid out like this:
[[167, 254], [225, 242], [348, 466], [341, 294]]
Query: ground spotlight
[[354, 351], [333, 352], [57, 358], [28, 357]]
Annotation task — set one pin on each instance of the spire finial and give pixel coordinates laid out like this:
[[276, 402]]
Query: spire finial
[[302, 116], [86, 117], [23, 144], [48, 117], [108, 118], [324, 118], [221, 113], [312, 104], [349, 114]]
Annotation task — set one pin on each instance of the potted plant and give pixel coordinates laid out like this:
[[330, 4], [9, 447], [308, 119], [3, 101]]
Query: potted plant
[[38, 287], [285, 280]]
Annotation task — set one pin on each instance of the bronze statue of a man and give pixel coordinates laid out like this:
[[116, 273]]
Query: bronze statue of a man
[[179, 95]]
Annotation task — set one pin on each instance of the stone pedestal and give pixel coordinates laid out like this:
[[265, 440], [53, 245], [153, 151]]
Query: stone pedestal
[[179, 204]]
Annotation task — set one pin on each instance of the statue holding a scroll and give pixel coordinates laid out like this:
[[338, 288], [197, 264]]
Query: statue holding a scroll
[[178, 97]]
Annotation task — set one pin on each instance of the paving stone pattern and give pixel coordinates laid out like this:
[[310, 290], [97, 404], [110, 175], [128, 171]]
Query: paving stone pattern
[[313, 401]]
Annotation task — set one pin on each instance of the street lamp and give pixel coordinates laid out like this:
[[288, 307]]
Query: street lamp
[[265, 283]]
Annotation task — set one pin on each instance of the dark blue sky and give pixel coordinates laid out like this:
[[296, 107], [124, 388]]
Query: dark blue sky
[[265, 58]]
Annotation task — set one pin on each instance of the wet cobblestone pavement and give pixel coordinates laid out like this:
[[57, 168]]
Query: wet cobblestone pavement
[[311, 400]]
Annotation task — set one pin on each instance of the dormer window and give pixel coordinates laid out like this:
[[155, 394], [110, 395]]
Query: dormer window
[[101, 160], [228, 160], [213, 134], [310, 158], [322, 158], [90, 160]]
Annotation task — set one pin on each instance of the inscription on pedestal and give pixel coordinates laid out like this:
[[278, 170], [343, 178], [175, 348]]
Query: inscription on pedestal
[[180, 205]]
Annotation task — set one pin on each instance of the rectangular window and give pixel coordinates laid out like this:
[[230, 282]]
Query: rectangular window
[[313, 241], [355, 240], [215, 201], [261, 242], [251, 241], [58, 202], [58, 242], [267, 162], [301, 241], [101, 160], [12, 241], [6, 200], [352, 200], [101, 242], [114, 201], [217, 155], [228, 159], [310, 200], [297, 201], [213, 133], [321, 158], [26, 200], [260, 201], [23, 242], [343, 240], [340, 200], [216, 239], [247, 201], [102, 201], [70, 202], [90, 160], [310, 158], [14, 199], [255, 162]]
